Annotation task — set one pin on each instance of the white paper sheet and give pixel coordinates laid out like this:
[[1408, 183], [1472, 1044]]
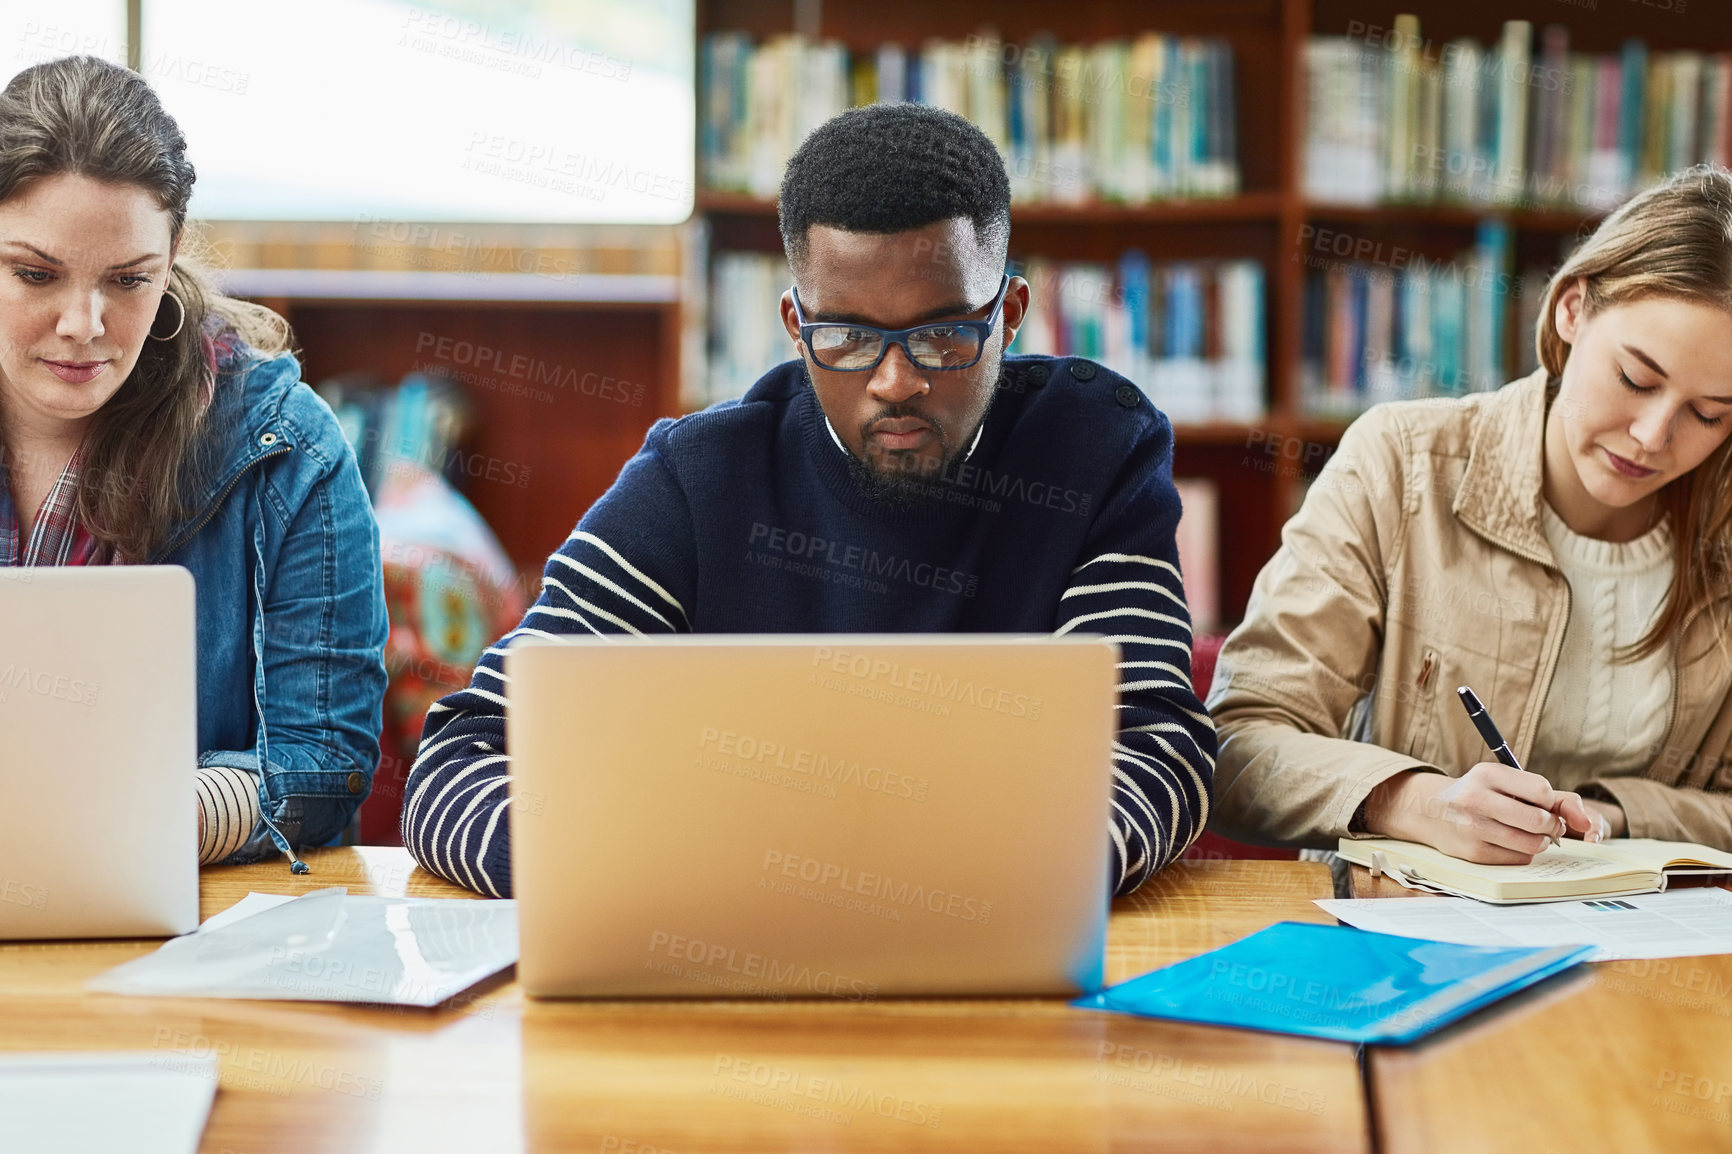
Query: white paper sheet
[[253, 903], [1676, 924], [75, 1103], [329, 947]]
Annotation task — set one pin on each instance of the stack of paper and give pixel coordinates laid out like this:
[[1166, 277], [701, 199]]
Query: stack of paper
[[330, 947]]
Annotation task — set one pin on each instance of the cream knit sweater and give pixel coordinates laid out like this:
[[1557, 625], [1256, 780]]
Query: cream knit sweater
[[1603, 717]]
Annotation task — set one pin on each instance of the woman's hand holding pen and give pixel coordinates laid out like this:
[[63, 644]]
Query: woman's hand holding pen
[[1496, 813], [1492, 813]]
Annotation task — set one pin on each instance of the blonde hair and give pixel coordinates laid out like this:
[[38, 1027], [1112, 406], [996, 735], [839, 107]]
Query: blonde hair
[[1672, 240], [143, 456]]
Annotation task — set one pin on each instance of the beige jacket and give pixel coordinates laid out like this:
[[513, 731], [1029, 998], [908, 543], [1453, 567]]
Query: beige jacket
[[1418, 564]]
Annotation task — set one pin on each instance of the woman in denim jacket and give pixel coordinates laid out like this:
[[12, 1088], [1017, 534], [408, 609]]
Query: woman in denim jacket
[[146, 419]]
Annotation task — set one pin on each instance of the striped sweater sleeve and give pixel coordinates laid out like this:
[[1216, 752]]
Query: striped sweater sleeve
[[228, 801], [1127, 589], [610, 576]]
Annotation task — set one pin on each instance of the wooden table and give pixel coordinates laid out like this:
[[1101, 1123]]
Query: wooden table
[[497, 1072], [1616, 1056]]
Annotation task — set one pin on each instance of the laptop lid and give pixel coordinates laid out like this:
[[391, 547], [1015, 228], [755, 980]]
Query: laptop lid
[[801, 816], [98, 752]]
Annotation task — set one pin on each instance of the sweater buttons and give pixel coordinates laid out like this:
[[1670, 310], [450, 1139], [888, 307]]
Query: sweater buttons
[[356, 783], [1128, 396], [1083, 370], [1037, 375]]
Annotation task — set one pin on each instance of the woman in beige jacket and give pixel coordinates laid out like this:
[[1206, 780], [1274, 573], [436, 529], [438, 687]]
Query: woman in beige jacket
[[1560, 545]]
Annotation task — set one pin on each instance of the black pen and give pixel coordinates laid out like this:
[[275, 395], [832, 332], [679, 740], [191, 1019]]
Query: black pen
[[1489, 731], [1487, 728]]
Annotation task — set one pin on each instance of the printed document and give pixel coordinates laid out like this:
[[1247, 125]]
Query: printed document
[[1680, 923]]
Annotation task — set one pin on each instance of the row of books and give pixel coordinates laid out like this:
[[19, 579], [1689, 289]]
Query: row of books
[[746, 338], [1127, 120], [1393, 117], [1190, 334], [1377, 333]]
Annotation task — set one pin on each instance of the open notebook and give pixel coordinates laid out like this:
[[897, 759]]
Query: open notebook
[[1564, 872]]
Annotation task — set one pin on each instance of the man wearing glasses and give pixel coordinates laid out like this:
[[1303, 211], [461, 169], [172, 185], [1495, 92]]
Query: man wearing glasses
[[902, 476]]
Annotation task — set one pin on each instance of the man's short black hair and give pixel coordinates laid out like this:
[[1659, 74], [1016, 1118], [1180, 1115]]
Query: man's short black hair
[[887, 168]]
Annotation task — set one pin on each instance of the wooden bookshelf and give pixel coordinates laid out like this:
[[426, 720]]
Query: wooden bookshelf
[[1260, 469], [581, 356], [1453, 216], [558, 444]]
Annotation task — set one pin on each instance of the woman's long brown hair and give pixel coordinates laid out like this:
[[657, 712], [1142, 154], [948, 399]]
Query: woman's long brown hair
[[142, 464]]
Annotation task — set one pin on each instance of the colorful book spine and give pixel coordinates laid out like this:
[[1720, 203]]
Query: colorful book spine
[[1513, 78], [1199, 545], [1189, 334], [1123, 120], [1398, 118], [746, 338], [1633, 74], [1373, 333], [1345, 160]]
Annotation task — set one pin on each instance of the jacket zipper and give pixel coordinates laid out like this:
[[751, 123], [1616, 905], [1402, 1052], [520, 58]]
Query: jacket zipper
[[1677, 678], [221, 498], [1551, 671]]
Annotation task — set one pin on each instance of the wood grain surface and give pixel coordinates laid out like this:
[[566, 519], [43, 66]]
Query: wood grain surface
[[1613, 1056], [493, 1071]]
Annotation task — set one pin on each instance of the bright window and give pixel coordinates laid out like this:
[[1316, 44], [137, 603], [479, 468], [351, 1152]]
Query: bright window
[[559, 111], [32, 31]]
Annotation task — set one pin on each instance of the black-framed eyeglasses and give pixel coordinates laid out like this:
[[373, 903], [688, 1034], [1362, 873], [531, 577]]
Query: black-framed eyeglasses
[[937, 345]]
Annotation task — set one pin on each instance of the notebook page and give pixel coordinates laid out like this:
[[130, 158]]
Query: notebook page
[[1651, 853], [1569, 861]]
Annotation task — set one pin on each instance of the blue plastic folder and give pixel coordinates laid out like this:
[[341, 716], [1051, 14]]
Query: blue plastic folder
[[1335, 982]]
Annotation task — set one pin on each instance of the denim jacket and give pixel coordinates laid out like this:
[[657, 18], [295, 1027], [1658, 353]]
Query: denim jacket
[[284, 550]]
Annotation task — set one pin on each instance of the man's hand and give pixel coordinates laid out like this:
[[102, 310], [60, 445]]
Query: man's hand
[[1491, 814]]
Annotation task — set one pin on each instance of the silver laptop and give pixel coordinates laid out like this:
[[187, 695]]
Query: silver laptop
[[839, 816], [98, 752]]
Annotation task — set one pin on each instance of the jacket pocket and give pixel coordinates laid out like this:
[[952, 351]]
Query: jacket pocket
[[1419, 696]]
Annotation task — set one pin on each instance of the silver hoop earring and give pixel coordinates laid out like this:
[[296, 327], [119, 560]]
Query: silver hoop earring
[[178, 324]]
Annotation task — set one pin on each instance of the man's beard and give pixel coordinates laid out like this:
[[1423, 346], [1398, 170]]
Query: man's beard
[[902, 479]]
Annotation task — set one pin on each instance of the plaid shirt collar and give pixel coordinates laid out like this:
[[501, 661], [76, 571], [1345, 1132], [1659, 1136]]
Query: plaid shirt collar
[[56, 538]]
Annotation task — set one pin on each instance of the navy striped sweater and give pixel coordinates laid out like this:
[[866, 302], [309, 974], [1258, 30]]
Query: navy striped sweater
[[744, 518]]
